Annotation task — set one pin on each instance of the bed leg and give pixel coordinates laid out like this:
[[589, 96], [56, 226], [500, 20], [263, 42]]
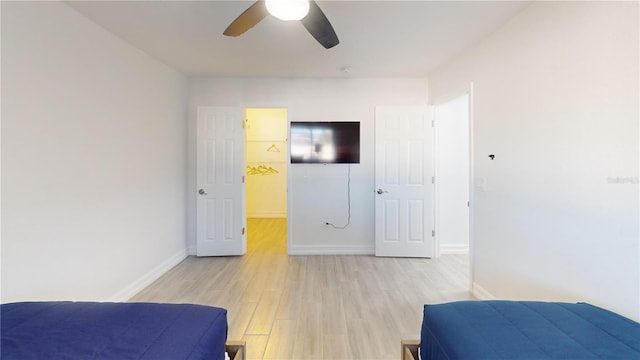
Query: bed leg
[[237, 350], [410, 349]]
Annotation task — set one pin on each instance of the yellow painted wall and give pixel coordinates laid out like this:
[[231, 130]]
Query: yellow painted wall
[[266, 163]]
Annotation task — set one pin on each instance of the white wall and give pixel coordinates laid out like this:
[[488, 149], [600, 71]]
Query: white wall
[[317, 193], [452, 175], [93, 159], [556, 100]]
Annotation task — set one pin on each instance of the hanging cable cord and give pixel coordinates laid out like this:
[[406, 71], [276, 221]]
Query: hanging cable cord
[[349, 203]]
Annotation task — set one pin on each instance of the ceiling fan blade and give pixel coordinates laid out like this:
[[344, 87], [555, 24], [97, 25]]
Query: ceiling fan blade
[[248, 19], [319, 26]]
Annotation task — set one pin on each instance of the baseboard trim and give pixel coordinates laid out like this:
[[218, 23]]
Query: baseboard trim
[[330, 250], [481, 293], [148, 278], [454, 249]]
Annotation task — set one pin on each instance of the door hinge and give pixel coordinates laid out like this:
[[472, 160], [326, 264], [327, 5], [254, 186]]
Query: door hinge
[[433, 233], [242, 231], [244, 123], [468, 203], [243, 179], [433, 123], [433, 179]]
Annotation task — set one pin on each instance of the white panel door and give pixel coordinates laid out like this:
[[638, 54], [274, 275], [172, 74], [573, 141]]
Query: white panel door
[[220, 217], [403, 179]]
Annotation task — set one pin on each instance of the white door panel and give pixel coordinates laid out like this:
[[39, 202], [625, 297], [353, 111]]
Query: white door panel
[[403, 173], [220, 182]]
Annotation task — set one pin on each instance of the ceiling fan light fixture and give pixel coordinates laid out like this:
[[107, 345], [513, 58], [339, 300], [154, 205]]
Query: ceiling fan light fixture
[[288, 9]]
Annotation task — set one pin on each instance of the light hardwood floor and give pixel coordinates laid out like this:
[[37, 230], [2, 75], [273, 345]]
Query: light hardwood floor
[[314, 307]]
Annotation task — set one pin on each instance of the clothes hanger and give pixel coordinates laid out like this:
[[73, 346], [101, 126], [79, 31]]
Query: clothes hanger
[[273, 148]]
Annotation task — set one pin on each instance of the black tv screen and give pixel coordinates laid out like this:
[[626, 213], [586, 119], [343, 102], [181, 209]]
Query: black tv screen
[[329, 142]]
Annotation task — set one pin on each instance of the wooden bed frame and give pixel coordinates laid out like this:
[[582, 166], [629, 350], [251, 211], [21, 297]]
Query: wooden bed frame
[[410, 349], [237, 350]]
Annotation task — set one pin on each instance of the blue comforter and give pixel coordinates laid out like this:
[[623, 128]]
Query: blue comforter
[[89, 330], [526, 330]]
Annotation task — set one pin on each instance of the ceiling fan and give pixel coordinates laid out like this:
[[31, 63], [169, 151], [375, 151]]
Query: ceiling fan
[[307, 11]]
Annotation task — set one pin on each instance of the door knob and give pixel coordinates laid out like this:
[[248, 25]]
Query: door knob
[[202, 192], [380, 191]]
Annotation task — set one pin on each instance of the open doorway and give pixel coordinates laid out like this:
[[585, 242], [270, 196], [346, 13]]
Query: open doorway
[[266, 180], [452, 176]]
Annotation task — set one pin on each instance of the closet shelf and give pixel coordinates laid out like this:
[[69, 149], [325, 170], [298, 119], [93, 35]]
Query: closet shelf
[[267, 162], [267, 141]]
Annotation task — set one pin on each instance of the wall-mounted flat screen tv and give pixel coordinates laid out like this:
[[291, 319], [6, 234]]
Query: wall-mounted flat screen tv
[[328, 142]]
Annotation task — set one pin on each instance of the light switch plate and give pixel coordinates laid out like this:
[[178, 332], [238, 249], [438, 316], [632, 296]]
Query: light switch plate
[[480, 184]]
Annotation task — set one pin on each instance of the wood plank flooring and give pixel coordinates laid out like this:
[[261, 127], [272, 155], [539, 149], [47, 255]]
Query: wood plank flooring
[[314, 307]]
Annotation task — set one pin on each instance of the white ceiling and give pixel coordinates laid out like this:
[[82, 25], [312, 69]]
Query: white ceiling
[[377, 38]]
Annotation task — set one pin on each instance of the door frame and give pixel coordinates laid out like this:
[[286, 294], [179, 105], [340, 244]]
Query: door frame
[[466, 90]]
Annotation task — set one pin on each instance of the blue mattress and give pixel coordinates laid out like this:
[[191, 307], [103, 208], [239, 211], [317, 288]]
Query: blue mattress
[[526, 330], [90, 330]]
